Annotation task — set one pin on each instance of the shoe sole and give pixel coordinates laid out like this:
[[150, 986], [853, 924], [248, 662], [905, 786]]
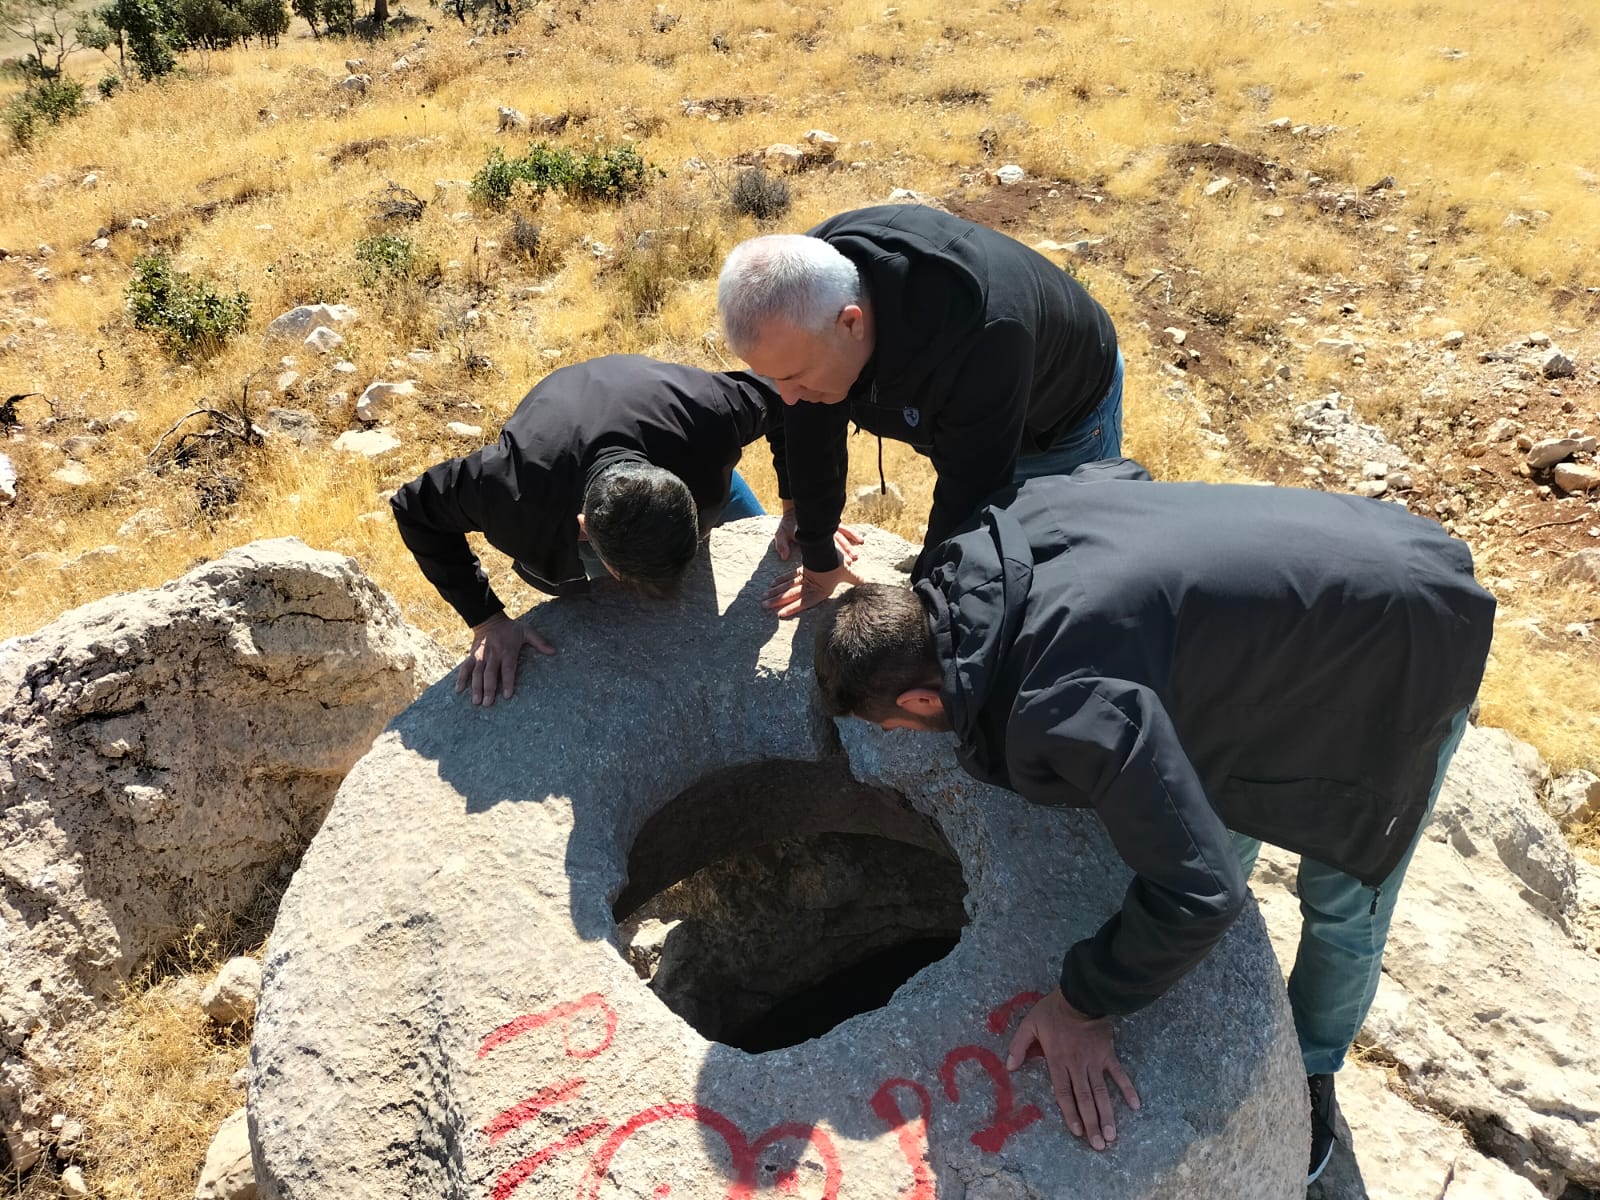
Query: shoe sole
[[1321, 1166]]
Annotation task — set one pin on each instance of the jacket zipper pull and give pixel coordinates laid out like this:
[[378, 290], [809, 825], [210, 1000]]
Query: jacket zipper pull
[[1376, 892]]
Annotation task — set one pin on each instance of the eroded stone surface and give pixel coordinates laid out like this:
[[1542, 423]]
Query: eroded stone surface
[[163, 755], [446, 1011]]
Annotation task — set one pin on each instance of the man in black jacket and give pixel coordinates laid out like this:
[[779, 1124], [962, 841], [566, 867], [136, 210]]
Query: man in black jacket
[[1189, 660], [632, 456], [928, 329]]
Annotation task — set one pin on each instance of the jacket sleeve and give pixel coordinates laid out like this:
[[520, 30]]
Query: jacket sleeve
[[979, 434], [435, 511], [1111, 742], [816, 458]]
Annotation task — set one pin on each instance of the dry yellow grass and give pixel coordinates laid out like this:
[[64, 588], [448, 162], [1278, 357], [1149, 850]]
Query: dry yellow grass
[[257, 171]]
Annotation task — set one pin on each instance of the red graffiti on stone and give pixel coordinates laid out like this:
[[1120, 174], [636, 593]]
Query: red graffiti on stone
[[527, 1109], [1000, 1018], [523, 1169], [1007, 1119], [745, 1153], [912, 1132], [563, 1013]]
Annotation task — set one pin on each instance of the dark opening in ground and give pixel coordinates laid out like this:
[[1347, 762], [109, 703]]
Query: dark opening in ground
[[768, 903]]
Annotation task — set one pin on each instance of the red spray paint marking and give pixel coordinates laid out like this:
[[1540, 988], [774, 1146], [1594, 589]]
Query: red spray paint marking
[[746, 1155], [1000, 1018], [519, 1172], [560, 1012], [912, 1133], [535, 1104], [1007, 1120]]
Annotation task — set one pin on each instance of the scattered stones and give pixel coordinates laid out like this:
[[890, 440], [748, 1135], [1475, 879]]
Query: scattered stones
[[73, 1185], [461, 429], [356, 83], [1503, 430], [286, 382], [80, 447], [229, 1173], [1376, 469], [368, 442], [354, 66], [1219, 185], [8, 481], [377, 401], [1550, 451], [510, 118], [1539, 338], [120, 419], [1178, 336], [1557, 365], [1572, 477], [1371, 488], [1574, 800], [100, 243], [783, 157], [296, 424], [1453, 340], [1331, 427], [400, 65], [821, 146], [1009, 175], [1340, 348], [297, 323], [324, 340], [1581, 567], [73, 475], [230, 998], [344, 367]]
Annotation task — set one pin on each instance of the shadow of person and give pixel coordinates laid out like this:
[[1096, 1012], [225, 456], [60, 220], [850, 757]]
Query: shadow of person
[[1341, 1180]]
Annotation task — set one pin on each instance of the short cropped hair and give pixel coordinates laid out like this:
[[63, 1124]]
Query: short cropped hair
[[873, 643], [644, 525], [801, 280]]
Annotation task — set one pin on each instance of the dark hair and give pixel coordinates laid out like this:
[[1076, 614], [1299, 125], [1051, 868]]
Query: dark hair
[[873, 643], [643, 523]]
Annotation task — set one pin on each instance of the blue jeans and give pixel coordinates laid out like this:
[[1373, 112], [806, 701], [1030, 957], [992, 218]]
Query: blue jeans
[[742, 502], [1342, 935], [1097, 436]]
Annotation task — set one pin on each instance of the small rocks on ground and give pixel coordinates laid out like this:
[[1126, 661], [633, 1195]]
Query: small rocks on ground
[[324, 340], [377, 402], [461, 429], [1573, 477], [231, 997], [298, 322], [1550, 451], [368, 442], [228, 1173]]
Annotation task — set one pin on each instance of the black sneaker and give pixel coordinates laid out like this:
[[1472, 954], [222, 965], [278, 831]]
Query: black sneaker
[[1323, 1108]]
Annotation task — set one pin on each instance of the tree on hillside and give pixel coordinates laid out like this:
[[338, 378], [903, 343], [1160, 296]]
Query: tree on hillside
[[46, 25], [140, 29]]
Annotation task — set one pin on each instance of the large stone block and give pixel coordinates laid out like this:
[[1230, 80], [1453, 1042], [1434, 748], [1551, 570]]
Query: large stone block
[[450, 1010]]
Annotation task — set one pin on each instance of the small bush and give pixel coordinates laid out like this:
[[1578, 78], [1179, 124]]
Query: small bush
[[189, 316], [606, 175], [389, 258], [759, 195], [108, 86], [49, 102]]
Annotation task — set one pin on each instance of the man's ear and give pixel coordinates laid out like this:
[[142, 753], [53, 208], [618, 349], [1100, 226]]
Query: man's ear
[[921, 702], [854, 321], [583, 529]]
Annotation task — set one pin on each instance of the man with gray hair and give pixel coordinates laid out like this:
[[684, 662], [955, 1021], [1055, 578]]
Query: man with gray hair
[[923, 327]]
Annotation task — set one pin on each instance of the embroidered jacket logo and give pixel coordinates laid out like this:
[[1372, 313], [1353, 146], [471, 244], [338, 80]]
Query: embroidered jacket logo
[[912, 415]]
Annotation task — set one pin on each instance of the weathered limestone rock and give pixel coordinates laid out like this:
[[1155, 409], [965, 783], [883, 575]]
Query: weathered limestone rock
[[447, 1011], [297, 323], [231, 996], [164, 758], [228, 1173], [1483, 1003]]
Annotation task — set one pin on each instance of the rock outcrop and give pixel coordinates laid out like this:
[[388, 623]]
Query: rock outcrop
[[1483, 1009], [447, 1008], [165, 756]]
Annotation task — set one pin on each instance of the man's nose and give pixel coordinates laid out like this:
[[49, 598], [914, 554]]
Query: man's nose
[[790, 394]]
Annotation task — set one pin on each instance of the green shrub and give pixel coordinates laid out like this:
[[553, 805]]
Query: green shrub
[[108, 86], [47, 102], [189, 316], [608, 175], [762, 196], [390, 258]]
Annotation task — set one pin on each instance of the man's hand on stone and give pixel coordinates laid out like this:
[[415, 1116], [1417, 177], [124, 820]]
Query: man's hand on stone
[[797, 590], [845, 538], [1079, 1052], [492, 663]]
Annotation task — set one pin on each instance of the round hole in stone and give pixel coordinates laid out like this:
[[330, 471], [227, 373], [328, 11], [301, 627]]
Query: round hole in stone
[[769, 902]]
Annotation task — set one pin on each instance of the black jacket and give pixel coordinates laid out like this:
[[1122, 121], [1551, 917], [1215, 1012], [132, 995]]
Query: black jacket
[[1192, 658], [524, 492], [984, 351]]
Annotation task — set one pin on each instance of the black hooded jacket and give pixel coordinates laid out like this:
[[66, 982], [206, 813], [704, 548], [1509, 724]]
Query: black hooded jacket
[[984, 351], [524, 492], [1188, 659]]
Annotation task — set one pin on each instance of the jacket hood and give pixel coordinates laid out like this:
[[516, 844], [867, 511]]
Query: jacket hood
[[990, 578]]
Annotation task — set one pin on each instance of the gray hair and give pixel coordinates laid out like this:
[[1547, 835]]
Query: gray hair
[[801, 280]]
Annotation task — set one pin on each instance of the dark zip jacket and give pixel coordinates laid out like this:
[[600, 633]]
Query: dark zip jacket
[[1189, 658], [524, 492], [984, 351]]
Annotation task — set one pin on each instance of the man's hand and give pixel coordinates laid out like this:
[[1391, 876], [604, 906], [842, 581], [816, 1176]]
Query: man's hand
[[1079, 1052], [492, 662], [800, 589], [845, 539]]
